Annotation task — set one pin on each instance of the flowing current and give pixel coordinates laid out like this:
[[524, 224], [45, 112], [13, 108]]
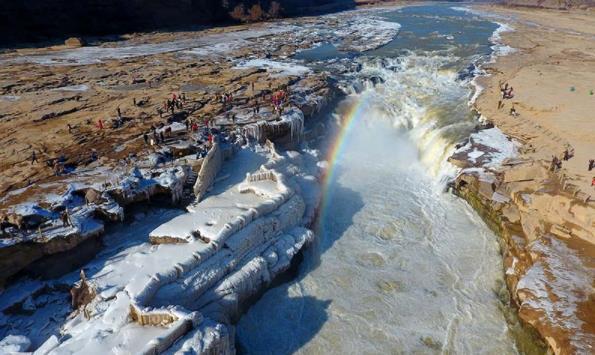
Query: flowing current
[[399, 266]]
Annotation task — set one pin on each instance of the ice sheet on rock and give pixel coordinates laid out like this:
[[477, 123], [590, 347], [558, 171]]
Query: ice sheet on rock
[[32, 209], [202, 45], [275, 67], [499, 48], [557, 285], [74, 88], [9, 98], [211, 216], [209, 336], [13, 344], [490, 147], [112, 334], [141, 274], [83, 225], [364, 33], [175, 127]]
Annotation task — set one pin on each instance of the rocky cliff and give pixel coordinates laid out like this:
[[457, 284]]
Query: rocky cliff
[[545, 225], [40, 20]]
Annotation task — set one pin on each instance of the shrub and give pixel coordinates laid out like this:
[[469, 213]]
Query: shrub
[[275, 10], [238, 13], [255, 13]]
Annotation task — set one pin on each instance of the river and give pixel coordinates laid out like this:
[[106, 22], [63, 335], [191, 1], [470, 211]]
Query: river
[[399, 266]]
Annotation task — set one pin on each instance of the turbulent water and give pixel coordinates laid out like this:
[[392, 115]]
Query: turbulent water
[[400, 266]]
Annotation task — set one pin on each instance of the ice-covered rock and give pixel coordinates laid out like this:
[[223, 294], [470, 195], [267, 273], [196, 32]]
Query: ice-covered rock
[[236, 241], [209, 169], [14, 344]]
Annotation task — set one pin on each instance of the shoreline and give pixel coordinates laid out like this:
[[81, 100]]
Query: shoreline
[[511, 200]]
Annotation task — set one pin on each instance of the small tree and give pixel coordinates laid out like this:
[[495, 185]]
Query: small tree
[[238, 13], [275, 10], [255, 13]]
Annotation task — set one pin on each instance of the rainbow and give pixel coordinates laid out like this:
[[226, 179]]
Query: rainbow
[[349, 120]]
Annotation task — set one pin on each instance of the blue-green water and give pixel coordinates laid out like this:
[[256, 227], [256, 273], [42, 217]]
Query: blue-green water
[[427, 28]]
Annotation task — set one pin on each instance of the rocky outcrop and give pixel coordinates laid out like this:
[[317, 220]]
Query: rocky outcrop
[[547, 242], [77, 216]]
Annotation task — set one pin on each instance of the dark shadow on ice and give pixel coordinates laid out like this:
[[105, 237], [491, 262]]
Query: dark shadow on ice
[[282, 328], [339, 206]]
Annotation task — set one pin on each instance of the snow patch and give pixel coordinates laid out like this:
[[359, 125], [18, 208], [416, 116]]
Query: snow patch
[[278, 68]]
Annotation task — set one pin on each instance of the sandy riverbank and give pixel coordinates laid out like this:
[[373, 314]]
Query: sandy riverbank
[[546, 218], [552, 75]]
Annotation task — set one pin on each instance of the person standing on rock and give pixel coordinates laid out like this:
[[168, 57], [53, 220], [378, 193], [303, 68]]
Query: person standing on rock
[[119, 112], [554, 163], [93, 156], [65, 219], [591, 164], [33, 157]]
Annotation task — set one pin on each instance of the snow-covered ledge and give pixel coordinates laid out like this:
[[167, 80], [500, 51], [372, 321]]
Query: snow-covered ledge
[[236, 240]]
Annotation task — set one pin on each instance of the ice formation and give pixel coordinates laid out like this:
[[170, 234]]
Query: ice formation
[[235, 241], [90, 198], [488, 148]]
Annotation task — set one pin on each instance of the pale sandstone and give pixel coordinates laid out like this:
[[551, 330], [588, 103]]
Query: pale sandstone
[[552, 73]]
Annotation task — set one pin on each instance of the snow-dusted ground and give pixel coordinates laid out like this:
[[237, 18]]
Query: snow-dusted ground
[[47, 303], [489, 148], [560, 275], [126, 182], [274, 67]]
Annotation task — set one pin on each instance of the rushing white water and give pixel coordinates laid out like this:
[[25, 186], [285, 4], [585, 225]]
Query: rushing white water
[[401, 266]]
